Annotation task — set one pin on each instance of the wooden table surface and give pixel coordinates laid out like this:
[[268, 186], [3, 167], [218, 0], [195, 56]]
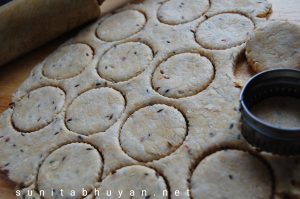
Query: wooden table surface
[[14, 73]]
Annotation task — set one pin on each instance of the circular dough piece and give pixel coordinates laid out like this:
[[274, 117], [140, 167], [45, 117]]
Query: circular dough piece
[[136, 178], [231, 174], [274, 46], [37, 109], [259, 8], [125, 61], [95, 111], [68, 61], [66, 167], [183, 75], [175, 12], [156, 132], [121, 25], [224, 31]]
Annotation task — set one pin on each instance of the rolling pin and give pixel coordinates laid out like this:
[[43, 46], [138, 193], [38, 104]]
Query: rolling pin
[[27, 24]]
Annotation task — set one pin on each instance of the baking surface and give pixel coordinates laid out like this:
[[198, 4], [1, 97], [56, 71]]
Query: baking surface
[[13, 74]]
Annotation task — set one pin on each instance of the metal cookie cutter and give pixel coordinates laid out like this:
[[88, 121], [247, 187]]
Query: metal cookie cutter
[[279, 82]]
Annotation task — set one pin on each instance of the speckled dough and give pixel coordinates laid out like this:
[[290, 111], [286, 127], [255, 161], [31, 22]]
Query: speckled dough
[[125, 61], [276, 45], [168, 98], [156, 131], [136, 179], [224, 31], [259, 8], [181, 11], [231, 174], [121, 25], [38, 108], [95, 111], [67, 166], [68, 61], [183, 75]]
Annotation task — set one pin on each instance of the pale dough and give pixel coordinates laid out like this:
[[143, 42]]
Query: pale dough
[[136, 179], [259, 8], [231, 174], [115, 111], [156, 130], [68, 61], [122, 25], [37, 109], [175, 12], [224, 31], [183, 75], [125, 61], [68, 165], [276, 45], [95, 111]]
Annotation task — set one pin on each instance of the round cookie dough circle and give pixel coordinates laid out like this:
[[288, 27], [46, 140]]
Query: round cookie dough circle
[[67, 61], [231, 174], [183, 75], [124, 61], [224, 31], [136, 178], [259, 8], [95, 111], [38, 108], [121, 25], [175, 12], [74, 166], [274, 46], [156, 132]]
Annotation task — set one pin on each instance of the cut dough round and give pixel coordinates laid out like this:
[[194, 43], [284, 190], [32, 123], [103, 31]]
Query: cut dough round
[[95, 111], [224, 31], [125, 61], [37, 109], [231, 174], [259, 8], [67, 61], [134, 179], [121, 25], [68, 165], [175, 12], [274, 46], [183, 75], [156, 132]]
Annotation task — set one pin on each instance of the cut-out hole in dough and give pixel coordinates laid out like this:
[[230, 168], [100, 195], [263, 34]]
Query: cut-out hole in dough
[[224, 31], [67, 61], [156, 132], [95, 111], [183, 75], [121, 25], [125, 61], [38, 108]]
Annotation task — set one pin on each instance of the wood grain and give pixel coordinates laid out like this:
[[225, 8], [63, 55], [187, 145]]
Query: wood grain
[[14, 73]]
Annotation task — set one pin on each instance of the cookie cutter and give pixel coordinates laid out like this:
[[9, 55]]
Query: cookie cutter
[[264, 136]]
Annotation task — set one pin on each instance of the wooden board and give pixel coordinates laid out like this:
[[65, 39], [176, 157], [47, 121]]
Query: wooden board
[[14, 73]]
